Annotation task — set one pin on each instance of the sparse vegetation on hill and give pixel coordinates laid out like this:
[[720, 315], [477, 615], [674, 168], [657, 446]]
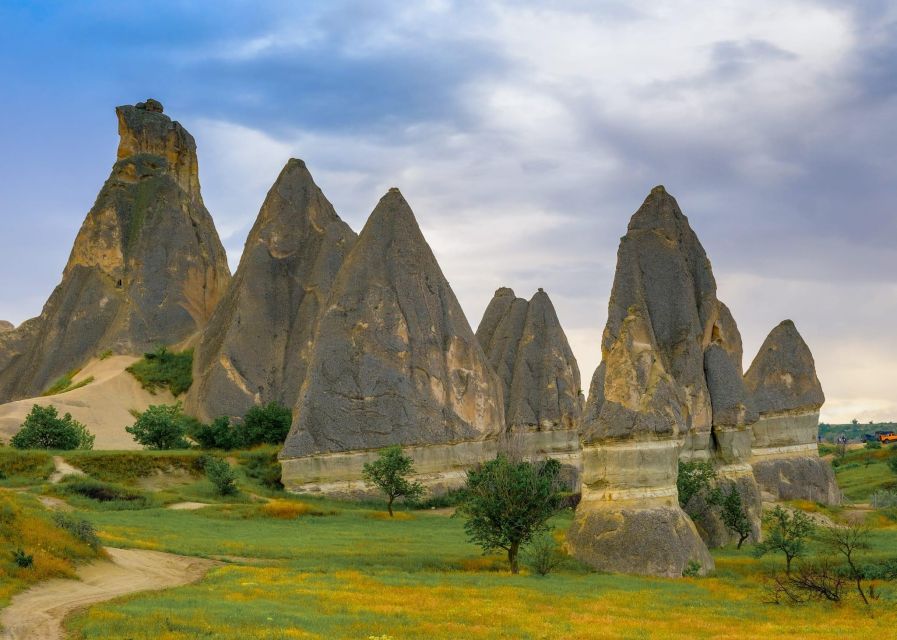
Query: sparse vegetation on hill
[[65, 383], [28, 531], [45, 429], [22, 467], [164, 369]]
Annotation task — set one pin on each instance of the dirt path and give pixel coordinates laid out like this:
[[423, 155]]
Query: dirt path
[[37, 614], [63, 469]]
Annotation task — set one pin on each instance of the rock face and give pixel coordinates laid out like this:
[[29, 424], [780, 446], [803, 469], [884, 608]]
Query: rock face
[[6, 325], [669, 385], [256, 346], [785, 391], [147, 266], [394, 362], [527, 347]]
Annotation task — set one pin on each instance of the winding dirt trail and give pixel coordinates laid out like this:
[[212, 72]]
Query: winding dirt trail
[[37, 614]]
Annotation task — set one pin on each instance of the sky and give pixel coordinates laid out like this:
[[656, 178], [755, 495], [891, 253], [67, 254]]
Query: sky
[[523, 134]]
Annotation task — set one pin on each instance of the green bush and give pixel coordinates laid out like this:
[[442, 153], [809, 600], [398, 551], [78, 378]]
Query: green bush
[[64, 383], [161, 427], [542, 554], [873, 444], [222, 476], [221, 434], [164, 369], [104, 492], [81, 529], [262, 466], [22, 559], [44, 429], [266, 424]]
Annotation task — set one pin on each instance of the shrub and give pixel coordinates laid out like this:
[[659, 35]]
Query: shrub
[[695, 480], [218, 435], [508, 503], [65, 383], [263, 467], [22, 559], [222, 476], [165, 369], [873, 444], [542, 554], [389, 473], [692, 569], [80, 529], [734, 516], [266, 424], [161, 427], [104, 492], [44, 429]]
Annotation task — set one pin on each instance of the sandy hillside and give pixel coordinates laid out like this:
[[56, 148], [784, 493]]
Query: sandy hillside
[[104, 405]]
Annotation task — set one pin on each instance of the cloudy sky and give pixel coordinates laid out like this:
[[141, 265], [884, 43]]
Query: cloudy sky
[[523, 134]]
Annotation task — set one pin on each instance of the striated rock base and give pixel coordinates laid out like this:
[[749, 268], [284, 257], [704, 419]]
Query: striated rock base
[[440, 468], [657, 541], [798, 478]]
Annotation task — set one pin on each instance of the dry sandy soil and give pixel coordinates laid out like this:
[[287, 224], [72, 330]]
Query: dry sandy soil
[[104, 405], [37, 614]]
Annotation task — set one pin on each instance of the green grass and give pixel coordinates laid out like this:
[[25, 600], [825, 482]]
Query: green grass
[[65, 383], [164, 369], [863, 471], [130, 467], [350, 576], [18, 468]]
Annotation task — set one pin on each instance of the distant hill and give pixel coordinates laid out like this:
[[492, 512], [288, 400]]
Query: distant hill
[[854, 432]]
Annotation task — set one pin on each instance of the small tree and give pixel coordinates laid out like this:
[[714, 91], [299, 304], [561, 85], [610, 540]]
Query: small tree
[[389, 473], [266, 424], [697, 479], [542, 554], [44, 429], [787, 533], [161, 427], [507, 503], [221, 475], [220, 434], [734, 516], [848, 542]]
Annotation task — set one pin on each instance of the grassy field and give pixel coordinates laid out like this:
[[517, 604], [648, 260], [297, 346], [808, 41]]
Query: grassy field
[[862, 471], [343, 570]]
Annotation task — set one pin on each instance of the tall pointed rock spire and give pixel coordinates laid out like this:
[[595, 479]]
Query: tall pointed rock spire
[[395, 360], [147, 266], [256, 347]]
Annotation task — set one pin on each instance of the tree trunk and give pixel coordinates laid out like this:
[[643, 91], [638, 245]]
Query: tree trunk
[[512, 557], [787, 565], [389, 505], [742, 539], [860, 588]]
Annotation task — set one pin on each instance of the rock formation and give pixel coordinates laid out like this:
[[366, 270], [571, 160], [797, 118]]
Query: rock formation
[[669, 384], [394, 362], [147, 266], [786, 392], [528, 349], [256, 346], [6, 325]]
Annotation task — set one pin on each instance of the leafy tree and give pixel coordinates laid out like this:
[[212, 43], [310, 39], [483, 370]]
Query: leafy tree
[[697, 479], [161, 427], [44, 429], [389, 473], [734, 516], [266, 424], [787, 533], [221, 475], [508, 503]]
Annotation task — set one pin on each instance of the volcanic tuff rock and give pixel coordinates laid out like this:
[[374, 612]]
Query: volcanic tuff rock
[[147, 266], [669, 384], [256, 346], [527, 347], [785, 391], [394, 359], [6, 325]]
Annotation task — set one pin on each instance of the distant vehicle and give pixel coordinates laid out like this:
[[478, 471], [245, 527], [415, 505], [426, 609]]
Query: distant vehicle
[[888, 438], [871, 437]]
